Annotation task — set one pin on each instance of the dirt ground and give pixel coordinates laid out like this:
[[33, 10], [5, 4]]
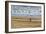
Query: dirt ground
[[25, 22]]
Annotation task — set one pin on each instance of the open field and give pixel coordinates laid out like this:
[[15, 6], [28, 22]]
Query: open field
[[25, 21]]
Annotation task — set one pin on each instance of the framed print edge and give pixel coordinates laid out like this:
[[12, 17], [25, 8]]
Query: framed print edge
[[7, 14], [6, 17]]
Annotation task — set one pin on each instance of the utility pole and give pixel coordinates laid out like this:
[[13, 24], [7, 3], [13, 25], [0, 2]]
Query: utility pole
[[30, 17]]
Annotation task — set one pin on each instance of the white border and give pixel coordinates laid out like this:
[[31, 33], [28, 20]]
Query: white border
[[26, 29]]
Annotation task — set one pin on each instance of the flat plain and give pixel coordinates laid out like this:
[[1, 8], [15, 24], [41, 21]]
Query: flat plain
[[25, 21]]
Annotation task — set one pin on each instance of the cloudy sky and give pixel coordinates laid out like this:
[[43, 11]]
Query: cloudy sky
[[25, 10]]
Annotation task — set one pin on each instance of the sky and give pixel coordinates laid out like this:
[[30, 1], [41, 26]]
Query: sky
[[20, 10]]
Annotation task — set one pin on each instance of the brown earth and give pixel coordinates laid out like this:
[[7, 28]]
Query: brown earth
[[25, 21]]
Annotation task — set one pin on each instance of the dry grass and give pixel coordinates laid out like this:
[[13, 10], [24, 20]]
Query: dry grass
[[25, 22]]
